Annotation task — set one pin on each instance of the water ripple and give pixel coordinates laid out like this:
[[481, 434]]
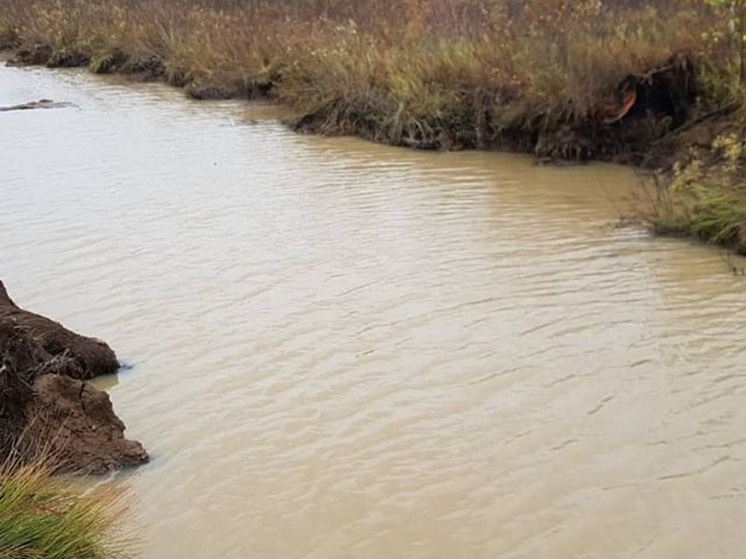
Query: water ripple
[[341, 349]]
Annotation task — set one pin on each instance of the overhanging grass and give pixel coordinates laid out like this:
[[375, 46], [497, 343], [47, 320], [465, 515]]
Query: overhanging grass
[[713, 214], [704, 196]]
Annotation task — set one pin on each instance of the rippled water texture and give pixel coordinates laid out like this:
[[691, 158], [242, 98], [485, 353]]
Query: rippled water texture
[[345, 350]]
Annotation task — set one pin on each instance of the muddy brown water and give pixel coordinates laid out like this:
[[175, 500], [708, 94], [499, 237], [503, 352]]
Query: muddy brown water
[[340, 349]]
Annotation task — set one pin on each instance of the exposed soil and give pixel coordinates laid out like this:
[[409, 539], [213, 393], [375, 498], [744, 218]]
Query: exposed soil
[[636, 123], [90, 357], [45, 407], [78, 425]]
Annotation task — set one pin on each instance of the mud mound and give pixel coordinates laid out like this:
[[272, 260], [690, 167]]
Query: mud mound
[[78, 426], [45, 409], [20, 358], [91, 356]]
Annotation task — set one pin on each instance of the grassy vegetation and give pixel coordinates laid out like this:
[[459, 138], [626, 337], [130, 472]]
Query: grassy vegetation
[[704, 196], [49, 518], [412, 72], [532, 75]]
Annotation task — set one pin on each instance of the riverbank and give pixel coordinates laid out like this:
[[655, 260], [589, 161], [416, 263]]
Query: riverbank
[[703, 193], [627, 81]]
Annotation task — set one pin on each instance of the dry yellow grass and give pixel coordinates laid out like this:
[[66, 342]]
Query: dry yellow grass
[[523, 74], [400, 71]]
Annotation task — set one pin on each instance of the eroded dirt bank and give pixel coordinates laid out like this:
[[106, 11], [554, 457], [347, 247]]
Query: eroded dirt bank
[[637, 122], [650, 120], [46, 407]]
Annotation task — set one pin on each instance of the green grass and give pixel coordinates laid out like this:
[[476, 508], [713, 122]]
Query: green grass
[[713, 214], [704, 196], [42, 517]]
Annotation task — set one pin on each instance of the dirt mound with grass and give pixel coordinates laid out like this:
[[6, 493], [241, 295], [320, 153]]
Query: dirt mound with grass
[[45, 407]]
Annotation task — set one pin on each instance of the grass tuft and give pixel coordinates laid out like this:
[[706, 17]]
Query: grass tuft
[[44, 517], [703, 197]]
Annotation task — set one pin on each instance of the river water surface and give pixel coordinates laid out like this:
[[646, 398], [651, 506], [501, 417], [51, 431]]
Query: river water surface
[[339, 349]]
